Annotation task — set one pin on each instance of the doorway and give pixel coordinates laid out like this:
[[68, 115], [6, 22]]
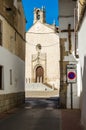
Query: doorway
[[39, 74]]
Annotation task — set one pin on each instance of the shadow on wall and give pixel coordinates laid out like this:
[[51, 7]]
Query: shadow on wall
[[84, 94]]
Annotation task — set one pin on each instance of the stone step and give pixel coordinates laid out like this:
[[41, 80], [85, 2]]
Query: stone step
[[39, 90], [37, 87], [41, 94]]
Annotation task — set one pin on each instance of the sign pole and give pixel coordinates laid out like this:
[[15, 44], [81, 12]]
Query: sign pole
[[71, 79], [71, 89]]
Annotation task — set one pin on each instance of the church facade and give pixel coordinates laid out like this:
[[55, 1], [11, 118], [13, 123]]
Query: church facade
[[42, 52]]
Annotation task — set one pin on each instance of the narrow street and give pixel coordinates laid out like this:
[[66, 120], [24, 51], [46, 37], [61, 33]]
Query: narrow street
[[42, 59], [41, 114]]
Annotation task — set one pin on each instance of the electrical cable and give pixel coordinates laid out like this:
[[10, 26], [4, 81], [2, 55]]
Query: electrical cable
[[42, 33], [41, 45]]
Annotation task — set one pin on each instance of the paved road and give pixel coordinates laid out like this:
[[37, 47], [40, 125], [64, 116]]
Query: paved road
[[36, 114]]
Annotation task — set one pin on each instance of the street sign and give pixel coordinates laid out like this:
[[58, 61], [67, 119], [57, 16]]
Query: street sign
[[71, 73], [71, 66], [71, 78]]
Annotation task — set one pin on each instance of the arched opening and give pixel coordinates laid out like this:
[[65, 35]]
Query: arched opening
[[38, 14], [39, 74]]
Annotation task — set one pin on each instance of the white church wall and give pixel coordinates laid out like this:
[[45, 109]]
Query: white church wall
[[46, 37]]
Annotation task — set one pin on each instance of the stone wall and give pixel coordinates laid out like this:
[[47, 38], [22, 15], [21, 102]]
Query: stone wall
[[9, 101], [13, 31], [12, 40], [13, 14], [63, 64]]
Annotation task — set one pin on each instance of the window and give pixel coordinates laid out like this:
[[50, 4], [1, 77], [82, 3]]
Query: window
[[38, 17], [0, 77], [8, 9], [0, 32], [10, 77], [38, 14]]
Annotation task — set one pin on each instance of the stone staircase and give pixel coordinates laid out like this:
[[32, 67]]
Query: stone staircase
[[50, 86], [37, 87], [39, 90]]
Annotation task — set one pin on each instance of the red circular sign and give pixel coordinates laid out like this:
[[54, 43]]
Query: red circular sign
[[71, 75]]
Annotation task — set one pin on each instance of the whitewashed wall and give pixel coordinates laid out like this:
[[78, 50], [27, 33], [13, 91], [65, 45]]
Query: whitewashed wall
[[66, 14], [82, 54], [10, 61]]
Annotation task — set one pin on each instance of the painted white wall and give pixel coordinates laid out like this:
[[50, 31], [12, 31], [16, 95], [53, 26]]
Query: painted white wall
[[76, 87], [82, 54], [66, 14], [75, 97], [65, 7], [10, 61]]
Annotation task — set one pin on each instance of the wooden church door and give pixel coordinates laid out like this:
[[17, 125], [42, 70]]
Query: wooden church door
[[39, 74]]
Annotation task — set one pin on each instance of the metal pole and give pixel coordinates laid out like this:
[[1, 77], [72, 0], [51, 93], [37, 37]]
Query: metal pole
[[71, 96]]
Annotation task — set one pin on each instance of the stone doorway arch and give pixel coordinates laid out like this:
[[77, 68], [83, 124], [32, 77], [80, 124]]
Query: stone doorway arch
[[39, 74]]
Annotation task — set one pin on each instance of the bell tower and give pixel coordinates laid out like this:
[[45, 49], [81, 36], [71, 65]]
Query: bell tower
[[39, 15]]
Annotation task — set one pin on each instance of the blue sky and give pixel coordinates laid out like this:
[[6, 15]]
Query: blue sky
[[51, 8]]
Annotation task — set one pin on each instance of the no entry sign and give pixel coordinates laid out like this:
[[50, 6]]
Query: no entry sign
[[71, 74]]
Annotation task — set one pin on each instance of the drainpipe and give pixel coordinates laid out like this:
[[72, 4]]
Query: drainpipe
[[75, 33], [82, 8]]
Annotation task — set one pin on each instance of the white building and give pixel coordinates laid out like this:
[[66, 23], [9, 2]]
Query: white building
[[42, 52], [67, 46], [81, 29], [12, 54]]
